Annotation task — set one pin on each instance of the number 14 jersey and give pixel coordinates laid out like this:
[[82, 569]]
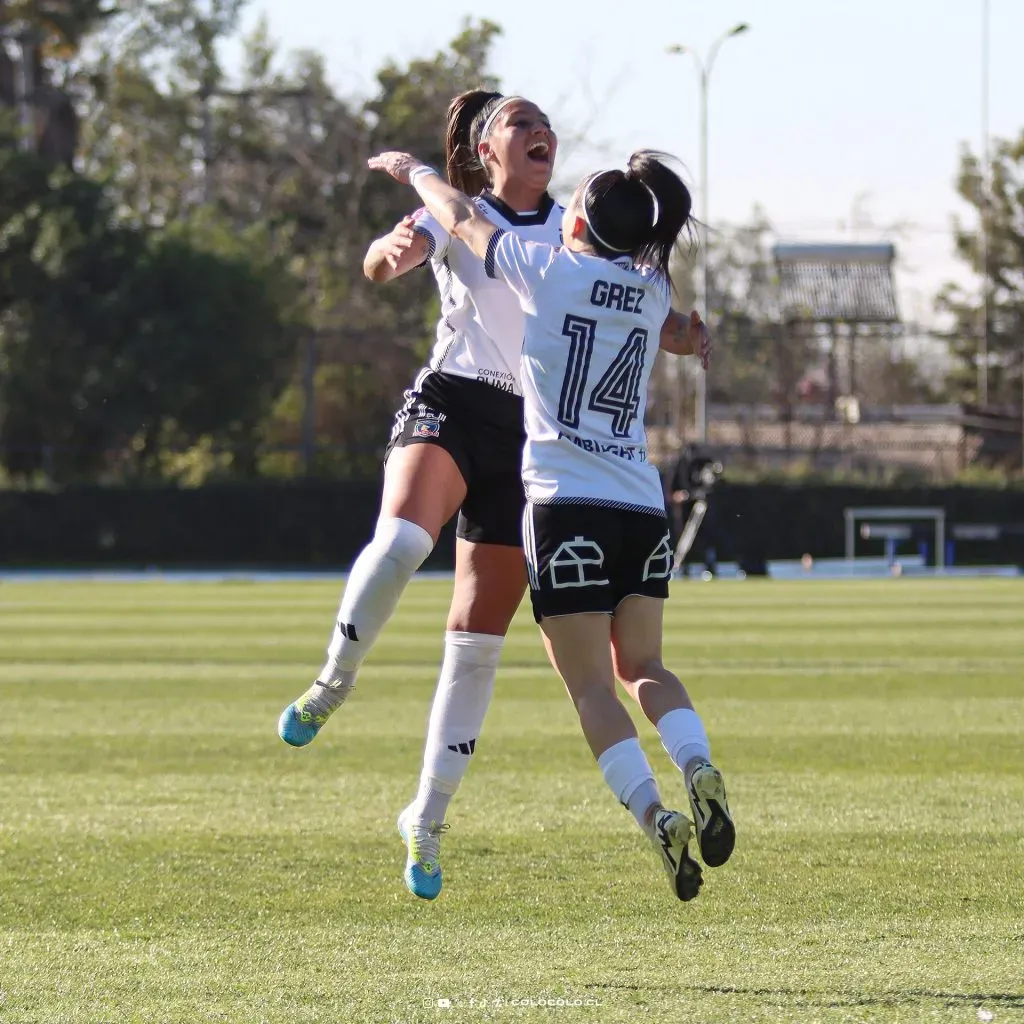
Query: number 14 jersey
[[592, 331]]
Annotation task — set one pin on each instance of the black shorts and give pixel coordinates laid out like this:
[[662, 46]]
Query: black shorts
[[586, 558], [481, 428]]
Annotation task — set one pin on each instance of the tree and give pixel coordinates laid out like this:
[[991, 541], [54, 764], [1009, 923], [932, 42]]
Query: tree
[[749, 367], [370, 339], [249, 195], [1000, 201], [115, 340]]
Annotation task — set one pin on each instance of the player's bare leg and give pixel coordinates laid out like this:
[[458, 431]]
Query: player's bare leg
[[636, 647], [578, 647]]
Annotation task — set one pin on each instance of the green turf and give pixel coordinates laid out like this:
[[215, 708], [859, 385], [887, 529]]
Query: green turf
[[165, 858]]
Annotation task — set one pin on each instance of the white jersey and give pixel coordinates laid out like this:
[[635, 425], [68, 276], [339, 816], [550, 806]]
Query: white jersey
[[480, 333], [593, 327]]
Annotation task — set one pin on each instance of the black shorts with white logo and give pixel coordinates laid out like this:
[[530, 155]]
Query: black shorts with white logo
[[481, 428], [584, 557]]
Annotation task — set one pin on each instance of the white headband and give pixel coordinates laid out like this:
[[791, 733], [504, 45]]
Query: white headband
[[586, 216], [656, 213], [655, 210], [489, 123]]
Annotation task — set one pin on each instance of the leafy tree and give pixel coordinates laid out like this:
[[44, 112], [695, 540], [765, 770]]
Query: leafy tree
[[169, 293], [114, 340], [1001, 202]]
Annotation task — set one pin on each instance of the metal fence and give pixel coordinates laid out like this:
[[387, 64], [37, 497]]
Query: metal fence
[[935, 443]]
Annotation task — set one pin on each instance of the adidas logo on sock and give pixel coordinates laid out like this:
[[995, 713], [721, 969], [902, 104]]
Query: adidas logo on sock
[[462, 748], [348, 629]]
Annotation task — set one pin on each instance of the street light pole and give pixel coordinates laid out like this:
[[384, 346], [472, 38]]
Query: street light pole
[[704, 74]]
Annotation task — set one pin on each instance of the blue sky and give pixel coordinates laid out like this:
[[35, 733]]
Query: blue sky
[[824, 113]]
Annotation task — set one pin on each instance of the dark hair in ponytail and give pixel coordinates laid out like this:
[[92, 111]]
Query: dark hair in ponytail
[[467, 114], [640, 211]]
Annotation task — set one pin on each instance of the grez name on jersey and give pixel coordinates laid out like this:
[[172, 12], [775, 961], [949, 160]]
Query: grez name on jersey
[[624, 298]]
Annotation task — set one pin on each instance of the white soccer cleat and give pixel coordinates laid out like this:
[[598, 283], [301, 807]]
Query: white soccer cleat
[[670, 832], [716, 833]]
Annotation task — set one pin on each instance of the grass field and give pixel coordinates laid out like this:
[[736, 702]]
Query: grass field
[[165, 858]]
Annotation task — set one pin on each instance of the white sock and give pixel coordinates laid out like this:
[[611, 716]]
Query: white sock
[[463, 695], [375, 584], [683, 736], [629, 776], [641, 800]]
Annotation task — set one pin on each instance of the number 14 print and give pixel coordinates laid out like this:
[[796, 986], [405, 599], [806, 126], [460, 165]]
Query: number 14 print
[[617, 393]]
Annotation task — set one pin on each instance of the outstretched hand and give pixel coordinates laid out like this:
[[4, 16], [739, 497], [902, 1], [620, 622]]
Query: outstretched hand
[[398, 165]]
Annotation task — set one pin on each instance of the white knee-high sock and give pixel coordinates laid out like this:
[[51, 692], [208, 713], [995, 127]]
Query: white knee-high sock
[[684, 737], [378, 577], [629, 776], [461, 700]]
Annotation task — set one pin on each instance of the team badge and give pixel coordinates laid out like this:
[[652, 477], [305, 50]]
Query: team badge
[[427, 428]]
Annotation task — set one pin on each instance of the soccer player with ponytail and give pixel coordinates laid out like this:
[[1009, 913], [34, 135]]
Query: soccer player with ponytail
[[594, 528], [456, 446]]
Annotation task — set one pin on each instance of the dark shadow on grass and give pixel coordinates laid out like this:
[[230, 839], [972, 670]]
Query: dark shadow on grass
[[827, 999]]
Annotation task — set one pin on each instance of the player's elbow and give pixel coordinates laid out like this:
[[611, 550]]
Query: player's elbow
[[460, 215], [376, 268]]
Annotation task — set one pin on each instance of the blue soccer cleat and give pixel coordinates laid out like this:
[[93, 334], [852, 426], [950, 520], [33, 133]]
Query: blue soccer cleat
[[301, 721], [423, 864]]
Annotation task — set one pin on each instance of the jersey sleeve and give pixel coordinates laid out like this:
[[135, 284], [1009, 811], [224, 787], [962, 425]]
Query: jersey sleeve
[[437, 238], [521, 264]]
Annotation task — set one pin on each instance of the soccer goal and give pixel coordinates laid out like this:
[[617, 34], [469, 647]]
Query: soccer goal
[[856, 515]]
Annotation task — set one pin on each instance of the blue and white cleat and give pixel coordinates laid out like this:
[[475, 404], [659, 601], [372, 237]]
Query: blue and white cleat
[[423, 863], [302, 720]]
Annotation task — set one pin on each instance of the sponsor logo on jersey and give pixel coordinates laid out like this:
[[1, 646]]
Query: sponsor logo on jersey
[[629, 452], [503, 380]]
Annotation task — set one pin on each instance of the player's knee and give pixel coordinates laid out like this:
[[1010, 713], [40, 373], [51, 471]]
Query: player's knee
[[403, 542], [593, 694], [482, 609], [633, 666], [475, 618]]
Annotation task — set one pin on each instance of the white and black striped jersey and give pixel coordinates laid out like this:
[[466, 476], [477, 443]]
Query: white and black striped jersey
[[480, 333], [593, 328]]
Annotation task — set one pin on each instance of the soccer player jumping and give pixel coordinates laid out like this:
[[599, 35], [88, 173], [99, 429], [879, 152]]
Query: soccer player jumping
[[595, 532], [456, 446]]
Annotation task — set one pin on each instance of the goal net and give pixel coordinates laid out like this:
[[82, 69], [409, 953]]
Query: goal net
[[937, 516]]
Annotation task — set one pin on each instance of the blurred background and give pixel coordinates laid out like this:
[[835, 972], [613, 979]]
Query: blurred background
[[193, 369]]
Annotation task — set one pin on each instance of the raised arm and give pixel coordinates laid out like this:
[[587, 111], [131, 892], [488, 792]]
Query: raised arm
[[684, 336], [455, 212]]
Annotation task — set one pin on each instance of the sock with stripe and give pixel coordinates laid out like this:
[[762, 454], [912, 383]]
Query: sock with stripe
[[375, 583]]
